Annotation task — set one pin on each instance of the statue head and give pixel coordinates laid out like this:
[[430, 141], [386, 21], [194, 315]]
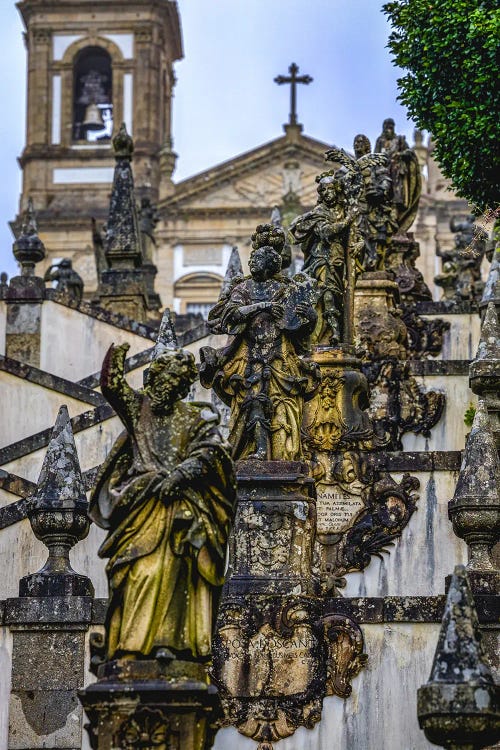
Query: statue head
[[169, 379], [328, 189], [264, 263], [389, 128], [361, 145]]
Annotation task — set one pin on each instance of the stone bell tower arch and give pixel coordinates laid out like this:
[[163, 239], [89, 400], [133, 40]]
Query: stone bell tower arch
[[92, 65]]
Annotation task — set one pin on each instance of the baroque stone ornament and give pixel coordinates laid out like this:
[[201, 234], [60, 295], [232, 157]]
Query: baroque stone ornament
[[360, 513], [165, 495], [262, 374], [459, 708], [425, 335]]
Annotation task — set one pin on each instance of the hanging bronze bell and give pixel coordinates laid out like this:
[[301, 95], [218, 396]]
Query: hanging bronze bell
[[93, 117]]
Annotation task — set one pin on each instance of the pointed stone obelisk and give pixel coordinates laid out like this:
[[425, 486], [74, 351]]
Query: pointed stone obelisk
[[491, 292], [234, 270], [459, 708], [123, 284], [167, 338], [58, 516], [475, 507]]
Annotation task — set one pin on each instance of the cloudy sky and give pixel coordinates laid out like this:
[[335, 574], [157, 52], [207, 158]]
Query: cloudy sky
[[226, 101]]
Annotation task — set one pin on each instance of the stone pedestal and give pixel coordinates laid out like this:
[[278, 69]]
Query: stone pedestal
[[161, 702], [124, 291], [48, 667], [271, 546], [378, 324]]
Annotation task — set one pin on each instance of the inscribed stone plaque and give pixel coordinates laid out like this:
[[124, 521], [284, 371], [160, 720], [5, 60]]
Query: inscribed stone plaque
[[336, 508]]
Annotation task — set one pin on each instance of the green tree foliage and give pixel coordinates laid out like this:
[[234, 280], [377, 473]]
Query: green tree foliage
[[451, 50]]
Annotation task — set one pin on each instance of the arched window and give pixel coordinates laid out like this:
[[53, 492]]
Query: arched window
[[93, 96], [197, 293]]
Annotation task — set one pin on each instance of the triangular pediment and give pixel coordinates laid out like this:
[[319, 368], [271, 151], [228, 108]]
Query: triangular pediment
[[256, 179]]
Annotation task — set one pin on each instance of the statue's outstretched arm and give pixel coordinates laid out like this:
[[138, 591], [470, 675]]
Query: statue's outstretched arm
[[114, 387]]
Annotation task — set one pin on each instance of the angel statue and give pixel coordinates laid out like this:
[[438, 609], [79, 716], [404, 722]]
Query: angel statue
[[261, 374], [330, 242], [165, 495], [378, 214]]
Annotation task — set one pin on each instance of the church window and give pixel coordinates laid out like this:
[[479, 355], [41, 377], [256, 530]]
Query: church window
[[93, 96], [199, 308]]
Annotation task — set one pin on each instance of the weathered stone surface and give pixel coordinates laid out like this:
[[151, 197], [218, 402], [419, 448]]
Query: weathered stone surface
[[475, 507], [460, 705]]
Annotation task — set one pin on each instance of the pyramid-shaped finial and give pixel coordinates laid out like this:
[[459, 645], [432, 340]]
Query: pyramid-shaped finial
[[60, 484], [479, 478], [234, 270], [489, 342], [58, 516], [459, 656], [460, 705], [491, 292], [167, 338], [28, 248], [484, 371], [475, 507], [276, 217]]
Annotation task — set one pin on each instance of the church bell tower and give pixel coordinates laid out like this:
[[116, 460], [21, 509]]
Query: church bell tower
[[93, 64]]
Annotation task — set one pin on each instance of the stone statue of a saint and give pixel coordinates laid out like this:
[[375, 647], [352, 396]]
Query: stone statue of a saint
[[165, 495], [262, 374], [405, 173], [377, 219], [327, 241]]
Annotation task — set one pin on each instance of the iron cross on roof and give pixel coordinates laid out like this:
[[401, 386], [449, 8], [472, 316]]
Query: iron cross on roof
[[293, 79]]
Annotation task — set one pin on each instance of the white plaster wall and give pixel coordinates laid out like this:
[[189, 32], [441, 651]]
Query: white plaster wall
[[73, 344], [426, 552], [449, 433], [461, 341], [3, 326], [5, 681], [28, 408], [381, 713]]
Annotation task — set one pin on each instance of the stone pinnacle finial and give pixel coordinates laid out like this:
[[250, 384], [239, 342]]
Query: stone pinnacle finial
[[475, 507], [123, 144], [28, 248], [276, 217], [123, 237], [460, 705], [489, 342], [60, 483], [233, 270], [58, 516], [491, 292], [167, 339]]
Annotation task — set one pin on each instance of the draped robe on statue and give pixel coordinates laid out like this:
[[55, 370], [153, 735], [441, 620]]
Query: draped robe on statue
[[166, 551], [260, 373]]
